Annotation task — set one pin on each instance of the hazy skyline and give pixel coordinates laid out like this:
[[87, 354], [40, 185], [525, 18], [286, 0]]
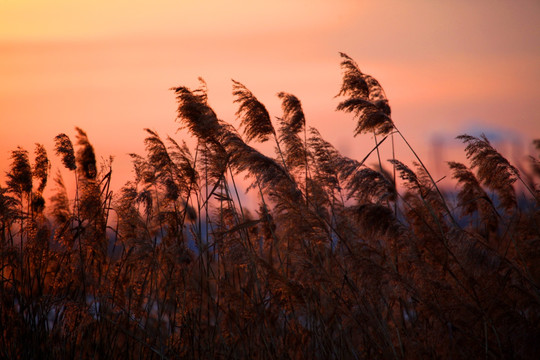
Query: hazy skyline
[[106, 67]]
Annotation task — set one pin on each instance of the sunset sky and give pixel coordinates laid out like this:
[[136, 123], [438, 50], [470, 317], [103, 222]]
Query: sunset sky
[[106, 66]]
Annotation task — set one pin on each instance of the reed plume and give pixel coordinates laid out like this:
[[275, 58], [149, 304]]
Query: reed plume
[[20, 174], [330, 162], [421, 183], [294, 120], [41, 167], [493, 170], [184, 162], [61, 210], [368, 185], [194, 113], [291, 124], [376, 221], [253, 114], [131, 225], [85, 155], [365, 98], [472, 198], [8, 214], [214, 159], [64, 148], [166, 171], [354, 83], [426, 207], [265, 170], [294, 151], [326, 158], [409, 176]]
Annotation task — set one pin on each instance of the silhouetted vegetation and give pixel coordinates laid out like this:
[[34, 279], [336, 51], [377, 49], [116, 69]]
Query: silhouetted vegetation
[[334, 263]]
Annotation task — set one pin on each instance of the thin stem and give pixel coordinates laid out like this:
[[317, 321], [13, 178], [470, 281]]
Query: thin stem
[[430, 177], [378, 154]]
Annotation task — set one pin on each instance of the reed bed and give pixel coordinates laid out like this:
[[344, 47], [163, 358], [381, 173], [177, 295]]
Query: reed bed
[[339, 260]]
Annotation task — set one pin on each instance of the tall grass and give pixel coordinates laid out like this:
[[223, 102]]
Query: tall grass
[[334, 263]]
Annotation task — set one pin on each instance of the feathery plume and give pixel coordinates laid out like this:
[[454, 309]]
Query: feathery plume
[[358, 85], [420, 184], [130, 223], [370, 117], [368, 185], [294, 151], [253, 114], [194, 113], [158, 155], [85, 155], [493, 170], [365, 184], [267, 171], [365, 98], [7, 207], [215, 159], [20, 175], [60, 202], [291, 124], [166, 171], [41, 167], [145, 197], [293, 115], [38, 203], [376, 220], [183, 160], [407, 175], [326, 158], [143, 171], [472, 198], [354, 84], [64, 148]]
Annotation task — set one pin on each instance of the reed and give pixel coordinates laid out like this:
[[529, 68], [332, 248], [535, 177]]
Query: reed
[[333, 263]]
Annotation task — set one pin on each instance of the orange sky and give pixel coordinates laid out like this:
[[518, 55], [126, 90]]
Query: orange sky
[[106, 66]]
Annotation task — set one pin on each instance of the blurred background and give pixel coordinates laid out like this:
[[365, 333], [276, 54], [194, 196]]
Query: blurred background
[[106, 66]]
